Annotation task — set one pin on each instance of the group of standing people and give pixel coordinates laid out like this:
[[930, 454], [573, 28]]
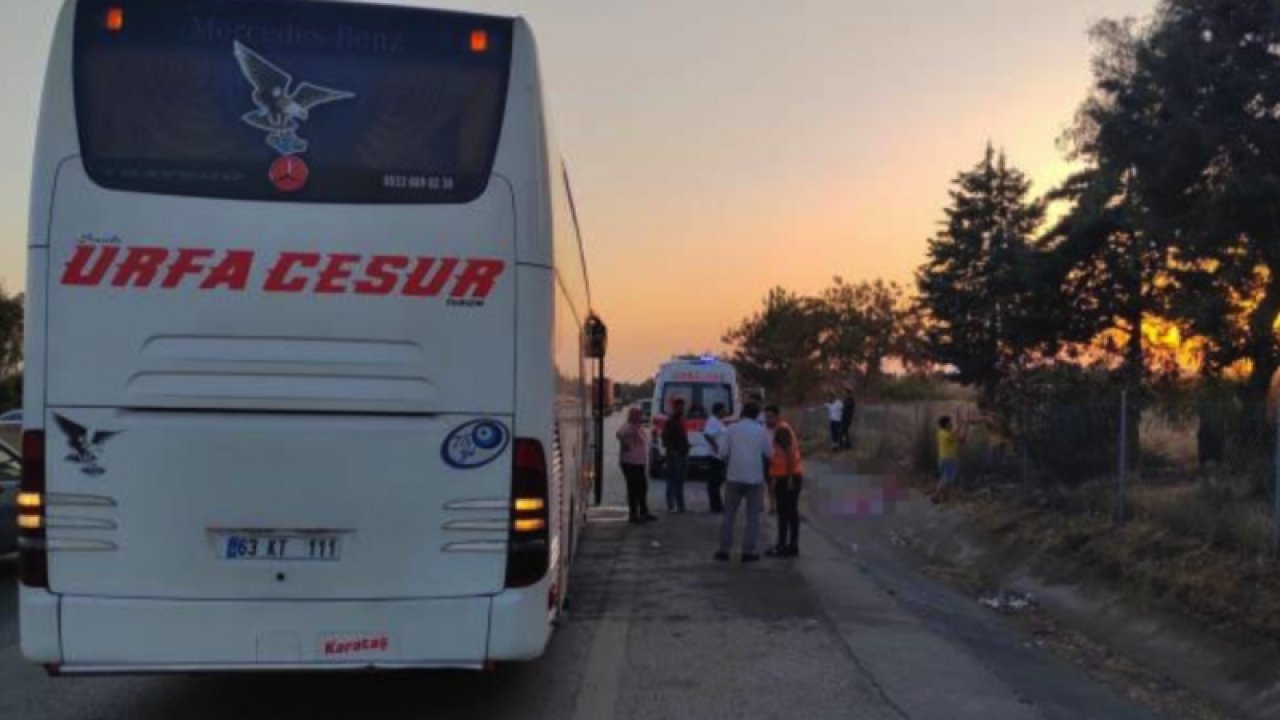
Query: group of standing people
[[753, 460], [750, 458], [761, 458]]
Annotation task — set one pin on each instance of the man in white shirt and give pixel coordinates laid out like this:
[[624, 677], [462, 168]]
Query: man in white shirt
[[835, 414], [746, 449], [715, 433]]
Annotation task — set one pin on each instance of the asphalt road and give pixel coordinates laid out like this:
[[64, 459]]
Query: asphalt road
[[658, 630]]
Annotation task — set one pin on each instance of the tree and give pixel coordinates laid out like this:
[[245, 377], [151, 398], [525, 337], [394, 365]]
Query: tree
[[1109, 274], [863, 325], [634, 392], [777, 347], [11, 333], [1189, 115], [977, 285]]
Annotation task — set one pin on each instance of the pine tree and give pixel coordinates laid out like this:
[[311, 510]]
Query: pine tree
[[977, 285]]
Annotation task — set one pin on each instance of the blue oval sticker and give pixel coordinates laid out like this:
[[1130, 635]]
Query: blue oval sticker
[[475, 444]]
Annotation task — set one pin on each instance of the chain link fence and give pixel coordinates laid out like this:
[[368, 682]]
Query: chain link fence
[[1206, 471]]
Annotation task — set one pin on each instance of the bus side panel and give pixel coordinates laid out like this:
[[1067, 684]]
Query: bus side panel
[[35, 341], [56, 139], [573, 307], [522, 153], [535, 371], [520, 625], [39, 631], [39, 634]]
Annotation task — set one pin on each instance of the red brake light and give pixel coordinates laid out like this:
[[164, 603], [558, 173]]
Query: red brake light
[[529, 457], [479, 41], [114, 21], [529, 547]]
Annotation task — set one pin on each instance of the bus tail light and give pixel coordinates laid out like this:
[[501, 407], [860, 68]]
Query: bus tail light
[[33, 558], [479, 41], [529, 504], [529, 551], [114, 20]]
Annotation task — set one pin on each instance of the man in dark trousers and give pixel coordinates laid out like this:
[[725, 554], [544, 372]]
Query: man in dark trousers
[[747, 449], [846, 420], [715, 433], [675, 440], [786, 476]]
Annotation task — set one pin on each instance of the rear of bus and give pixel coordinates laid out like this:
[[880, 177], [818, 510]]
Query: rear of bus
[[283, 259]]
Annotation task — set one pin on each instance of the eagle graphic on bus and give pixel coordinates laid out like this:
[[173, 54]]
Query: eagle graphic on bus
[[282, 108], [85, 446]]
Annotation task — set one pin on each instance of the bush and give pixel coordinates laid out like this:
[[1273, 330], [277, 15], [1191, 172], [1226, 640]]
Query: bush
[[916, 388], [1222, 513], [1067, 419]]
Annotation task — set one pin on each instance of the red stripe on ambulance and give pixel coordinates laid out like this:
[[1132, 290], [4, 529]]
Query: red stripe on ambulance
[[144, 268]]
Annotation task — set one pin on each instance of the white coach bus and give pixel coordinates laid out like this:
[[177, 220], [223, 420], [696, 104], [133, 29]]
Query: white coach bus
[[306, 384]]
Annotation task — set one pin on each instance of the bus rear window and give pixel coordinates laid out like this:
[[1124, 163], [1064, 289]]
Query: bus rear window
[[285, 100]]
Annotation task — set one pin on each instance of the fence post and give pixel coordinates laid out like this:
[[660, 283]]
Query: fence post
[[1123, 466], [1025, 459], [1275, 512]]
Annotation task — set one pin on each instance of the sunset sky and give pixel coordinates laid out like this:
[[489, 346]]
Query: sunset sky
[[719, 147]]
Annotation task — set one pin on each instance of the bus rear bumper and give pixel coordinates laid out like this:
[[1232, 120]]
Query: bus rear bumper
[[112, 636]]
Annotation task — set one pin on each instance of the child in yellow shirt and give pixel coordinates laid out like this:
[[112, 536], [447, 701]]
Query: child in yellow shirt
[[948, 459]]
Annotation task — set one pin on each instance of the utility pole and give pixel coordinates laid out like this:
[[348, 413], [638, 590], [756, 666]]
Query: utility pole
[[1122, 461]]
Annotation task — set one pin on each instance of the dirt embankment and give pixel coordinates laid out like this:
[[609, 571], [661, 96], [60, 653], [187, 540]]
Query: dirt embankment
[[1230, 589], [1182, 604]]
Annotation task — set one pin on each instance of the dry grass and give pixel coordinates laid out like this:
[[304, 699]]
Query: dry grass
[[1194, 542], [1202, 551], [1221, 514], [1173, 441]]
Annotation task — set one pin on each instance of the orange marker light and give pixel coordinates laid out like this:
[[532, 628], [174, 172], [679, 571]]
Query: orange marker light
[[523, 525], [115, 19], [479, 40]]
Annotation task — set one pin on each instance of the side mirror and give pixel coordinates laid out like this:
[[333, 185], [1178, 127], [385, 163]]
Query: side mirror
[[597, 338]]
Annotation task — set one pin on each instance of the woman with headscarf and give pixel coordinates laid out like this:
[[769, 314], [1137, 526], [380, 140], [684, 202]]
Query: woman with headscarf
[[634, 455]]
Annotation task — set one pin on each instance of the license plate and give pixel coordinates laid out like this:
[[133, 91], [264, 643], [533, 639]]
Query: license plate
[[313, 547]]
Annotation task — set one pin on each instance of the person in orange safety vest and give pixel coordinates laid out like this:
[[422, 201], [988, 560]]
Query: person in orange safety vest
[[786, 475]]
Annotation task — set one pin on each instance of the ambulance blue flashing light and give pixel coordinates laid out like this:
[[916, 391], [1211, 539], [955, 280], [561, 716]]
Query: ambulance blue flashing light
[[707, 359]]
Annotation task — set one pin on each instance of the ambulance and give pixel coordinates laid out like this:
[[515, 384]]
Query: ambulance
[[702, 382]]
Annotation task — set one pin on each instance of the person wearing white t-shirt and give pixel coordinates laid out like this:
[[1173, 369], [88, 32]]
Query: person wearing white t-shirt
[[715, 432], [747, 448], [835, 415]]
